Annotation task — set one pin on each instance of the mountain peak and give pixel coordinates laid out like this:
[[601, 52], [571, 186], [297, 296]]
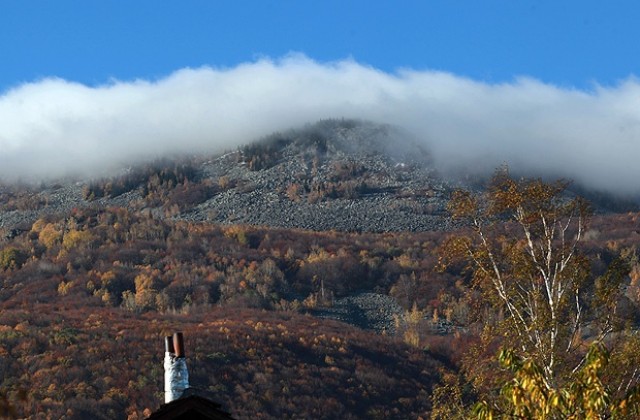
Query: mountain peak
[[335, 138], [335, 174]]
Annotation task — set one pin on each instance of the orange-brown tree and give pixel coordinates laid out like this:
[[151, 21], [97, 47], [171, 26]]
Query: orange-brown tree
[[539, 294]]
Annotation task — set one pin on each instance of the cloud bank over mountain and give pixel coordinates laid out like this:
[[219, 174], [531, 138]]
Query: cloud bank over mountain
[[55, 127]]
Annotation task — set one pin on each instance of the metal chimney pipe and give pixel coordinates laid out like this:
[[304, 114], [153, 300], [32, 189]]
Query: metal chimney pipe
[[176, 376], [178, 344], [168, 344]]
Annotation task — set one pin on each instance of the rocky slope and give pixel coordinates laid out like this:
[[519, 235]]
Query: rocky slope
[[336, 174], [369, 311]]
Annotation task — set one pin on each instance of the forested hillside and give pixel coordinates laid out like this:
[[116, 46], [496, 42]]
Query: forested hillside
[[89, 296], [290, 310]]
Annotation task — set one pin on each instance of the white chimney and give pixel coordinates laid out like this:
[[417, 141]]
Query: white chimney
[[176, 376]]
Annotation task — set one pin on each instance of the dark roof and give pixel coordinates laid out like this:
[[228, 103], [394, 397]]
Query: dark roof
[[192, 407]]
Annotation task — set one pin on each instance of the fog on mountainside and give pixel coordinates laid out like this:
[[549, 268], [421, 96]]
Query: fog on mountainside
[[53, 127]]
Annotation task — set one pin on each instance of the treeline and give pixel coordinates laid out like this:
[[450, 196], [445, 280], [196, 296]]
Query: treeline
[[312, 140], [162, 174], [265, 153], [172, 185], [20, 197]]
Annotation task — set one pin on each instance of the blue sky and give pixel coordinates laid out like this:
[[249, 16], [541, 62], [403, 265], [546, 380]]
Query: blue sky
[[548, 87], [568, 43]]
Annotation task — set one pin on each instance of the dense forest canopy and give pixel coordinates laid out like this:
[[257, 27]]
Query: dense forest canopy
[[124, 270]]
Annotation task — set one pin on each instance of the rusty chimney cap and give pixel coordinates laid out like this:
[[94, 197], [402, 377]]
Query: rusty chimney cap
[[178, 344]]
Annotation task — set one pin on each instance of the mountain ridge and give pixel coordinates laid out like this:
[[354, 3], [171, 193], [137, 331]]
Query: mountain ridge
[[336, 174]]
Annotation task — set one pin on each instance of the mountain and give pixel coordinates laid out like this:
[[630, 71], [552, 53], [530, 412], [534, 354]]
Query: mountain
[[336, 174], [94, 272], [344, 175], [300, 267]]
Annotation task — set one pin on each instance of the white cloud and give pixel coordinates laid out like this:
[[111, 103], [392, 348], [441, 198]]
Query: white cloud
[[53, 127]]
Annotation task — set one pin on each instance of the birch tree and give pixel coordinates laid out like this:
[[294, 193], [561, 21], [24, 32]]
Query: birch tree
[[522, 248], [524, 256]]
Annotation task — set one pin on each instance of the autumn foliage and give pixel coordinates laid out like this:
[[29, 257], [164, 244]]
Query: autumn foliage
[[86, 297]]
